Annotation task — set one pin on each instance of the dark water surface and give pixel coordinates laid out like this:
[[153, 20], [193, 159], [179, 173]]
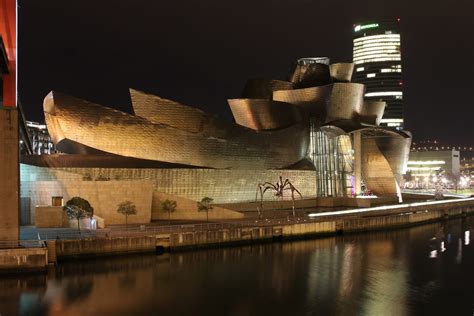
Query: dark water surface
[[425, 270]]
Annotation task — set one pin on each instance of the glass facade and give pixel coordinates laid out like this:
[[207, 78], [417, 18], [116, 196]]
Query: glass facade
[[333, 159], [377, 58]]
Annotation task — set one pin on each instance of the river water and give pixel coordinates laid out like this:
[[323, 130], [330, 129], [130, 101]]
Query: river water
[[424, 270]]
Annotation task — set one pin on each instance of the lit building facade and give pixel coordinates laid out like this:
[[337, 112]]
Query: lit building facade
[[427, 163], [315, 129], [40, 139], [377, 58]]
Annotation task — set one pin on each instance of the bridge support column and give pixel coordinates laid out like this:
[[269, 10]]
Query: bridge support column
[[9, 174]]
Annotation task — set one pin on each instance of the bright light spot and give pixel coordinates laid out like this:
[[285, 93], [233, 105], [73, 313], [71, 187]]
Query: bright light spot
[[443, 248], [467, 237], [433, 253]]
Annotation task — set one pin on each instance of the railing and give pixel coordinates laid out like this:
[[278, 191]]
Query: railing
[[117, 231], [15, 244], [153, 229]]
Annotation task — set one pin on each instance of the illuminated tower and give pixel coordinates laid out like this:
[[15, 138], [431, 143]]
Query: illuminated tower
[[377, 58]]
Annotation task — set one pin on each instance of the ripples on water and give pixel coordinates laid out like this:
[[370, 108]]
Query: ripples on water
[[425, 270]]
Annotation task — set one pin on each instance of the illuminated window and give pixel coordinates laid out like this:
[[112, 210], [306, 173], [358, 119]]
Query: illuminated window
[[370, 75], [426, 162], [386, 70], [384, 94]]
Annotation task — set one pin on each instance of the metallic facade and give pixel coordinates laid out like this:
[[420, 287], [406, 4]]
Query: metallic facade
[[313, 100], [385, 155], [118, 133], [258, 88], [310, 72], [346, 102], [262, 114], [341, 72], [372, 111], [305, 124]]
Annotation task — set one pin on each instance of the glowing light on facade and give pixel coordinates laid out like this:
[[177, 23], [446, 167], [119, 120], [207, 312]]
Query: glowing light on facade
[[377, 50]]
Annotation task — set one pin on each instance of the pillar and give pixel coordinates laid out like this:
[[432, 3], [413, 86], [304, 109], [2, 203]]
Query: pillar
[[9, 174], [357, 163]]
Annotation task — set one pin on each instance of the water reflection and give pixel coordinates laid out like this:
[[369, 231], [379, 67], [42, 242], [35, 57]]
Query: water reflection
[[409, 271]]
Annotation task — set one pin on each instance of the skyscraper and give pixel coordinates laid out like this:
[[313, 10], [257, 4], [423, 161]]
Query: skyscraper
[[377, 59]]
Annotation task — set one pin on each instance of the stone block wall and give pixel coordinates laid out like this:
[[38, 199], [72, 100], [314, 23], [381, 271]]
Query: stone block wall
[[187, 209], [50, 217], [224, 186], [41, 184]]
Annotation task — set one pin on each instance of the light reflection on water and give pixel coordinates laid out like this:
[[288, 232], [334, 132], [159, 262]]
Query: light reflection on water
[[421, 270]]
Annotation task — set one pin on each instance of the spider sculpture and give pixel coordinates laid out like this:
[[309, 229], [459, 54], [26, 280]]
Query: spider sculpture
[[279, 189]]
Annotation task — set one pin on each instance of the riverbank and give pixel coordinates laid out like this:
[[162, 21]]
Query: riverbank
[[321, 224]]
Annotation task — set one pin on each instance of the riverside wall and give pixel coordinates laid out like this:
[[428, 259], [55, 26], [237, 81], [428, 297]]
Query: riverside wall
[[23, 259], [337, 225], [415, 214]]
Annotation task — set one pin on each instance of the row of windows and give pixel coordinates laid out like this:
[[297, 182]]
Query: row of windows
[[377, 53], [375, 46], [376, 37], [378, 45], [376, 60]]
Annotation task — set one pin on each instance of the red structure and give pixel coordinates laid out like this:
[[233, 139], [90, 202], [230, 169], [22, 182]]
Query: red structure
[[8, 34], [9, 132]]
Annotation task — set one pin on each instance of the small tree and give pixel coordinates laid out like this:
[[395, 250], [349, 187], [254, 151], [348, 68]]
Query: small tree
[[127, 208], [78, 208], [205, 205], [168, 206]]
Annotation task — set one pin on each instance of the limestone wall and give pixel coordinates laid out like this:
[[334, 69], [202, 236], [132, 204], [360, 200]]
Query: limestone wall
[[50, 217], [315, 204], [40, 184], [224, 186], [20, 259], [104, 246], [187, 209]]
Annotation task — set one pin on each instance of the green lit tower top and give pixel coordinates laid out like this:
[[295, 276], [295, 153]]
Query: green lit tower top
[[377, 58]]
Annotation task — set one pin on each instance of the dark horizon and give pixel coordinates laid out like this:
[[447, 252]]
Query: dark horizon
[[201, 52]]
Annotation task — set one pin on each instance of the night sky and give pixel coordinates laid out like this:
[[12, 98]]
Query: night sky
[[201, 52]]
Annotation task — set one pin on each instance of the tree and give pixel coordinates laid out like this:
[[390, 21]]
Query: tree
[[78, 208], [168, 206], [205, 205], [127, 208]]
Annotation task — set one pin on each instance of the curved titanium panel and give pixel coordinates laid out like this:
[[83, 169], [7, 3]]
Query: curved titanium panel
[[372, 111], [261, 114], [310, 75], [313, 100], [394, 147], [346, 101], [376, 171], [263, 88], [341, 72], [126, 135], [169, 112]]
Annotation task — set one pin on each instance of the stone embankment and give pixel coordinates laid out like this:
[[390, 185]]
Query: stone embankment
[[321, 224]]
